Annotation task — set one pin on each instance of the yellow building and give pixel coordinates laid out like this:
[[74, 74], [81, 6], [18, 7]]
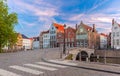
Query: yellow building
[[19, 42]]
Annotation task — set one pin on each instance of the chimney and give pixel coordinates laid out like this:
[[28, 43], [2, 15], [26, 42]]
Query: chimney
[[76, 26], [94, 28], [113, 21]]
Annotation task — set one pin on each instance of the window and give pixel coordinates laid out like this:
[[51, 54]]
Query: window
[[117, 34], [72, 39], [81, 30], [117, 41], [53, 31], [113, 33], [68, 39], [52, 28]]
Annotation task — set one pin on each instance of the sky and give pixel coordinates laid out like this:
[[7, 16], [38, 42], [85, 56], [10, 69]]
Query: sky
[[35, 16]]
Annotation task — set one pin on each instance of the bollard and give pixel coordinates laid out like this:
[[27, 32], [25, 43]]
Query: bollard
[[79, 56], [87, 59], [98, 58]]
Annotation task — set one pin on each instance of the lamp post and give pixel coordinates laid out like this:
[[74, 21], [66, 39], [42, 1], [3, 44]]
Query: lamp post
[[113, 41], [64, 49]]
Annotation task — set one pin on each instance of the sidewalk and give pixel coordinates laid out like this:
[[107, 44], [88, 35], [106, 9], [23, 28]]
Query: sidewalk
[[89, 66], [106, 67]]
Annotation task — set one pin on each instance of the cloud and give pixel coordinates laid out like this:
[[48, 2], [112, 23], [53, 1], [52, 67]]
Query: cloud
[[38, 11], [30, 24], [76, 17], [102, 21], [45, 12]]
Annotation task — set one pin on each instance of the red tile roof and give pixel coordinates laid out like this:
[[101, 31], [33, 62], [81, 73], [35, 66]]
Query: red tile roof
[[71, 28], [103, 34], [44, 32], [59, 27], [31, 38]]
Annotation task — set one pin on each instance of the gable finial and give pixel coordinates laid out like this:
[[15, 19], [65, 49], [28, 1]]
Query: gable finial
[[113, 21]]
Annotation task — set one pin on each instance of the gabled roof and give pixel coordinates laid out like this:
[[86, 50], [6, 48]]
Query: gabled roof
[[24, 37], [71, 28], [44, 32], [87, 27], [36, 38], [103, 34], [59, 27], [113, 22]]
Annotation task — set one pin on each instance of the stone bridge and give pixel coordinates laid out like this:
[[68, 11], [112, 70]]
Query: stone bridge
[[82, 54]]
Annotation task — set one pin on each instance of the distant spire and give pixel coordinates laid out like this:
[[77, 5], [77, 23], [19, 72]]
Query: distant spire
[[113, 21]]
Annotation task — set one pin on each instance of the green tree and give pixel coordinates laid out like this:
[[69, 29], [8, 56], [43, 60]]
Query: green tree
[[7, 23]]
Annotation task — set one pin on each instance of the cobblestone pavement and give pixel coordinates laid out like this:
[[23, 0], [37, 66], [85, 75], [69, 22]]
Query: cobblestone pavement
[[29, 63]]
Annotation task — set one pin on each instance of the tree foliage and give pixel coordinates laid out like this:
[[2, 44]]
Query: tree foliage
[[7, 23]]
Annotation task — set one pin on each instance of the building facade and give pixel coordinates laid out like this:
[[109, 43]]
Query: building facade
[[115, 35], [70, 37], [46, 39], [86, 36], [54, 30], [103, 41], [36, 44], [41, 40], [27, 43], [19, 43], [60, 39]]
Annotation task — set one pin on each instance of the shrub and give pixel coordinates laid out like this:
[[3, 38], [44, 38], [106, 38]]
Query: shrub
[[69, 57]]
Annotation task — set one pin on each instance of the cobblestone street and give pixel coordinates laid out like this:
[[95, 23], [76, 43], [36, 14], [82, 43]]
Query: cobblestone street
[[29, 63]]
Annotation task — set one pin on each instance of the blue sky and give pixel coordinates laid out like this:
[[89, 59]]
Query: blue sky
[[35, 16]]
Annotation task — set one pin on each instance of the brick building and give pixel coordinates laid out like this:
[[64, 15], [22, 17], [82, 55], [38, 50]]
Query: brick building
[[70, 37], [87, 36], [70, 34]]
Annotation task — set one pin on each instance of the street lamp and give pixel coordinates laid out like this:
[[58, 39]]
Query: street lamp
[[113, 41], [64, 49]]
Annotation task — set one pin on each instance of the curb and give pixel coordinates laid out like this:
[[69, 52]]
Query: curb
[[82, 67]]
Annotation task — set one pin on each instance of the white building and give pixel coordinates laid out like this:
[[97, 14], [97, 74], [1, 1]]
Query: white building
[[46, 39], [103, 41], [27, 43], [36, 44], [115, 35], [52, 32]]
